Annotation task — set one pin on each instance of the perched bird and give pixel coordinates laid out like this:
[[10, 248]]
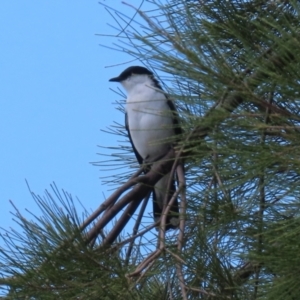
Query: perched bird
[[151, 122]]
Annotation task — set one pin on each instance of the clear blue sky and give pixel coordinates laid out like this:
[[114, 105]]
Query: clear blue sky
[[55, 98]]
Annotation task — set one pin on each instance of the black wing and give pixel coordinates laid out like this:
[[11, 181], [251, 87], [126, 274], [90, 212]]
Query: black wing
[[177, 128], [137, 155]]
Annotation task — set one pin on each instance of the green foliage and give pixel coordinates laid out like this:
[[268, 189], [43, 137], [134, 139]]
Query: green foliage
[[49, 259]]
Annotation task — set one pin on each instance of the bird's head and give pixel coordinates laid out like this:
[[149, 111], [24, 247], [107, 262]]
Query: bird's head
[[134, 76]]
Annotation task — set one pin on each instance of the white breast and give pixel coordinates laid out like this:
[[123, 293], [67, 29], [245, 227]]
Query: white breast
[[150, 122]]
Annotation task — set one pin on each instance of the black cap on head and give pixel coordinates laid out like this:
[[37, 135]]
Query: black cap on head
[[131, 70]]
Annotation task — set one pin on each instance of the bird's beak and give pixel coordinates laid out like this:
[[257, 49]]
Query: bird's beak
[[115, 79]]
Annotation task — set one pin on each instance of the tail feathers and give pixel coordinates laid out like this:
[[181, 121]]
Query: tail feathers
[[159, 196]]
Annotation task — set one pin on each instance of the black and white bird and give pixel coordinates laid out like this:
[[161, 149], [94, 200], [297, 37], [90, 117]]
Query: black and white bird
[[151, 122]]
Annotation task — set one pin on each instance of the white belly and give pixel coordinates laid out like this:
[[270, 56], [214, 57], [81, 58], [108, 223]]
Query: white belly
[[151, 128]]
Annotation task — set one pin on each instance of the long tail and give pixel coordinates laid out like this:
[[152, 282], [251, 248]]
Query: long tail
[[159, 196]]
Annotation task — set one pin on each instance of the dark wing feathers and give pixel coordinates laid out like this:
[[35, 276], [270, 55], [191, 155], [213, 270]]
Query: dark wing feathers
[[177, 128], [138, 157]]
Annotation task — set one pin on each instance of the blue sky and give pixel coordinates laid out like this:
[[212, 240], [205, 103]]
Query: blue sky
[[55, 99]]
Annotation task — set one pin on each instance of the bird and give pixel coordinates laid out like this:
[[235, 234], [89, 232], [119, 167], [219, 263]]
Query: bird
[[152, 123]]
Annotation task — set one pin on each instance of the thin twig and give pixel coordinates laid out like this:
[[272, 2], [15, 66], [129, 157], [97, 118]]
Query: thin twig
[[148, 228], [180, 238], [136, 228], [111, 200], [164, 218], [122, 222], [201, 291], [151, 258]]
